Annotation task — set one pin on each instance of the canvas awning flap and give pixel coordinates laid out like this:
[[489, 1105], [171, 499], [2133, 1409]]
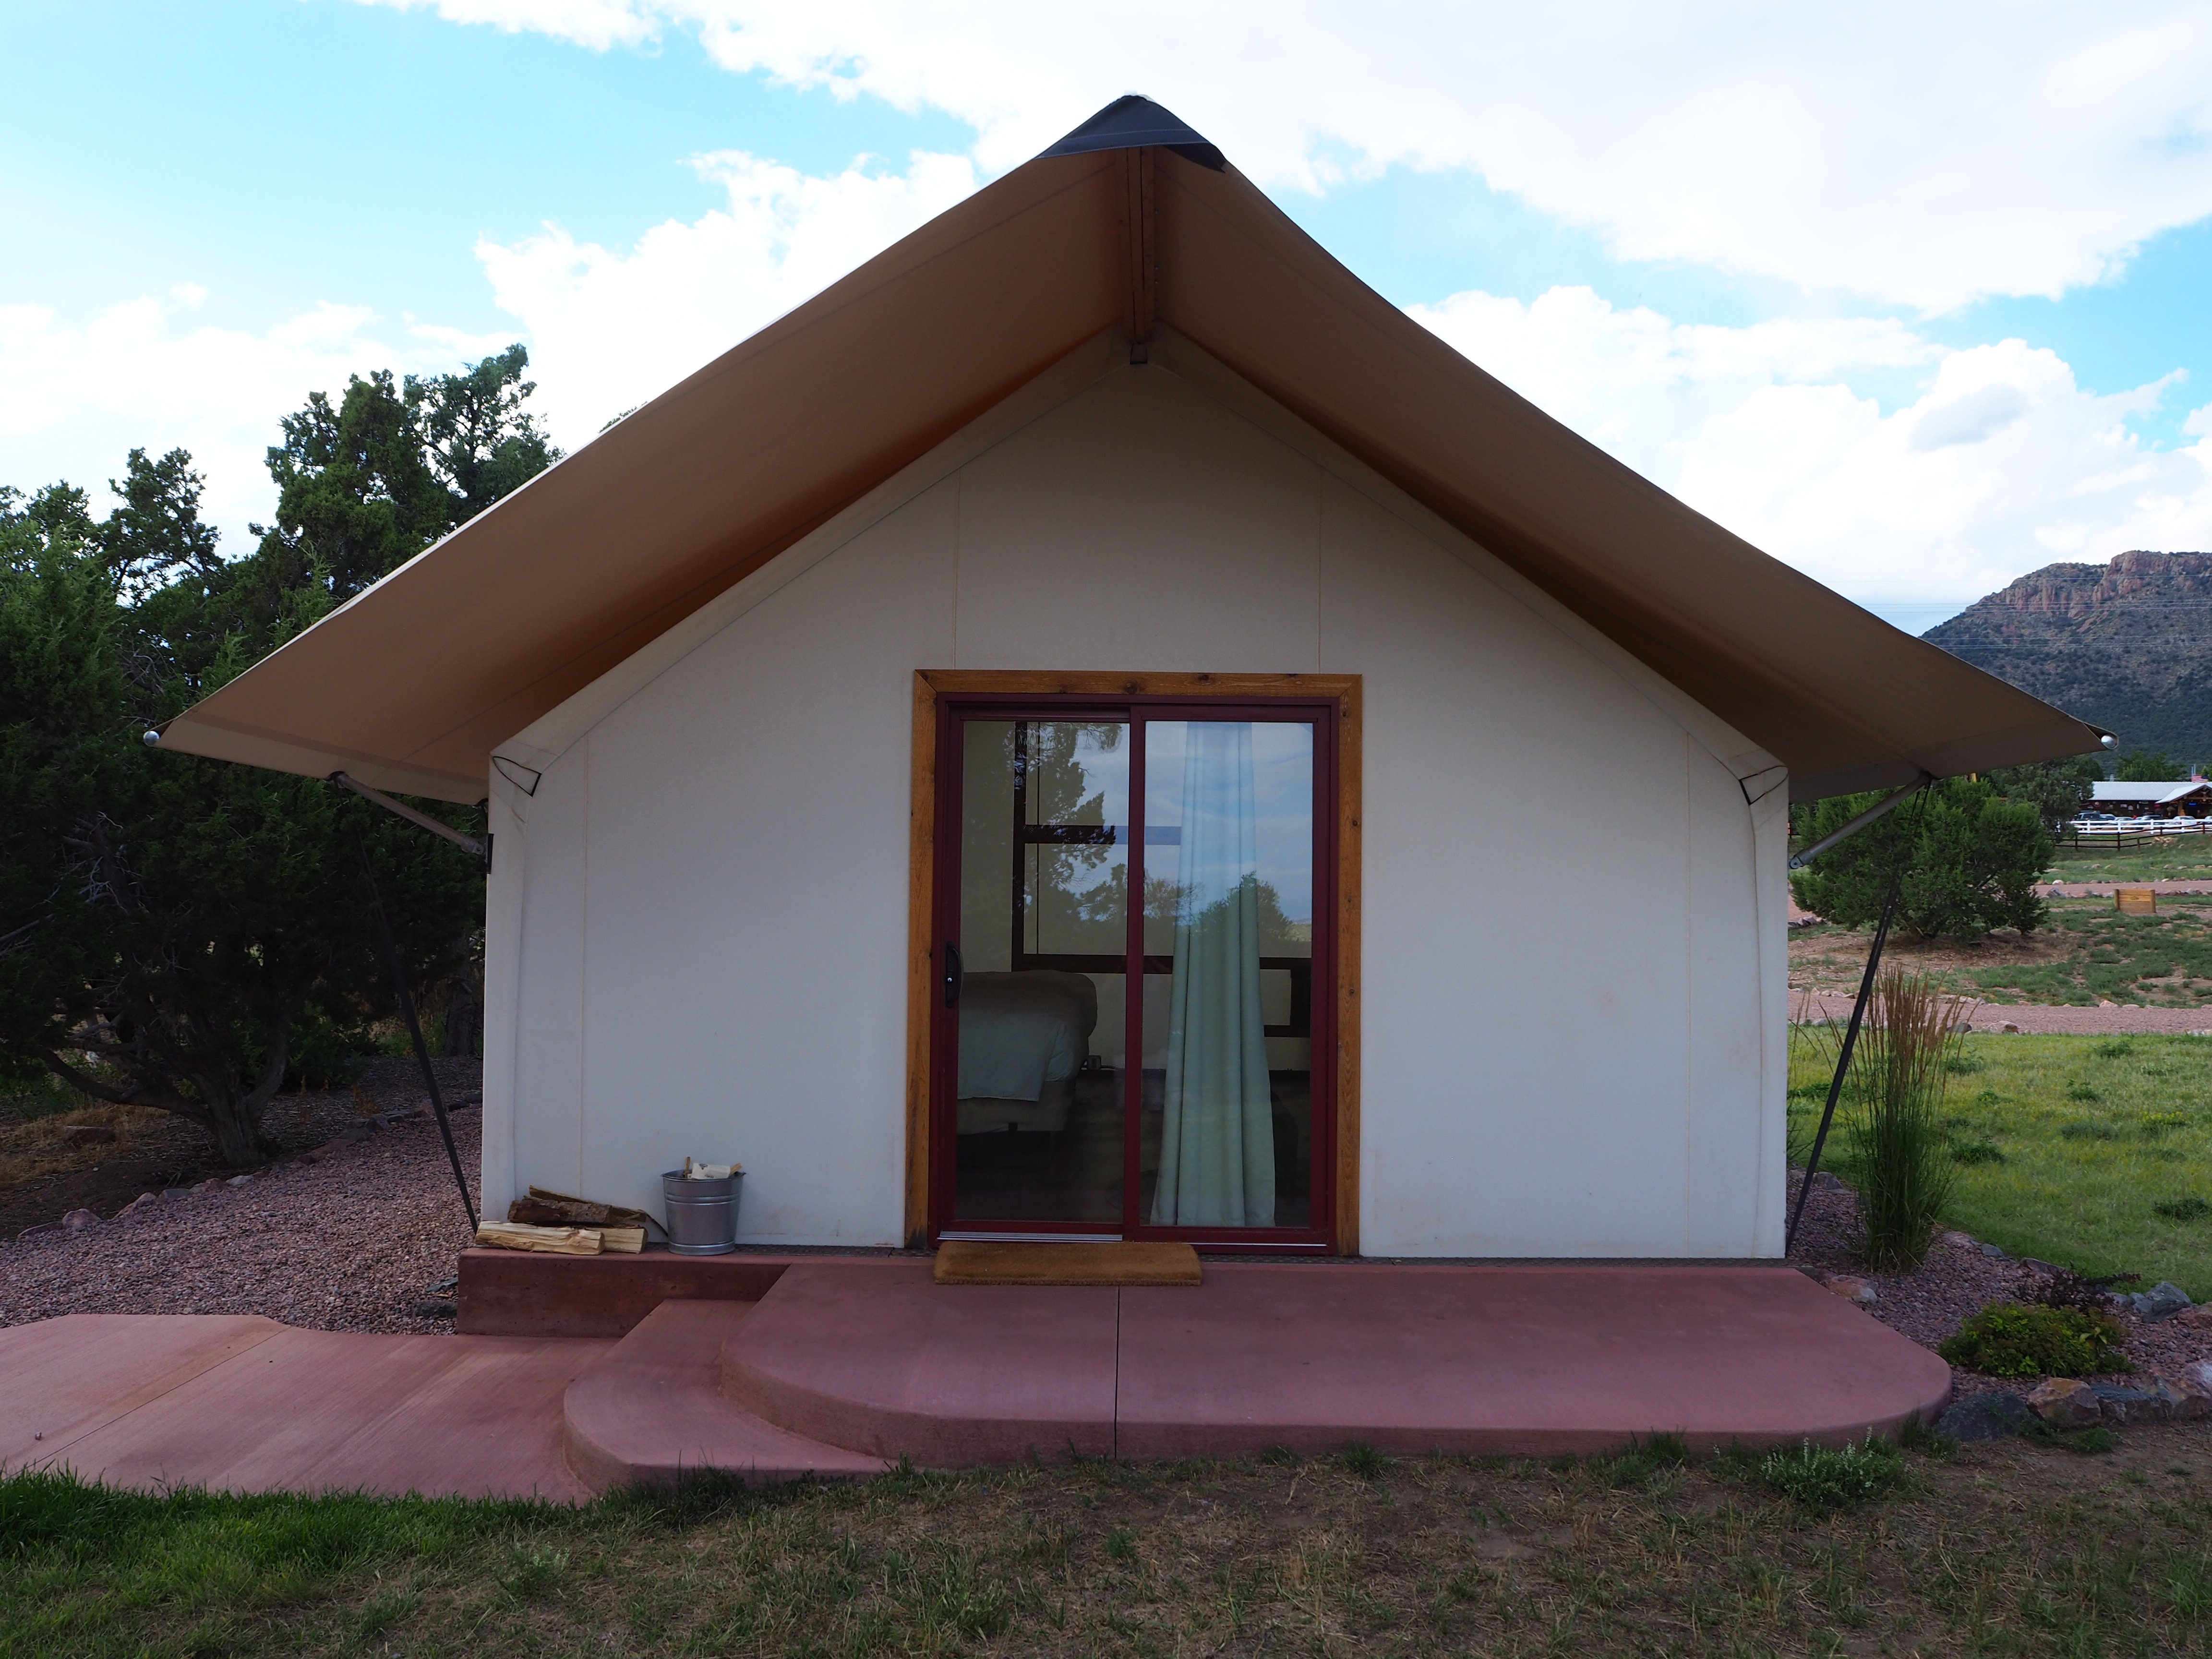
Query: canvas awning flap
[[411, 685]]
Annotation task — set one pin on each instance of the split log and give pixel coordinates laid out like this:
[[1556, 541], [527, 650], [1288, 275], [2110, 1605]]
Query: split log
[[542, 1213], [622, 1241], [582, 1212], [558, 1241]]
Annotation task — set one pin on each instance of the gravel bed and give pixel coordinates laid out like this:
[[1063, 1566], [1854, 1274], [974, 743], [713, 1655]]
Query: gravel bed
[[351, 1236], [1957, 1279]]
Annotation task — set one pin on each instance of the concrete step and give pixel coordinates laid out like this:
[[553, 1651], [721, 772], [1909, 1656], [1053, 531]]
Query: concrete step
[[651, 1409], [874, 1356]]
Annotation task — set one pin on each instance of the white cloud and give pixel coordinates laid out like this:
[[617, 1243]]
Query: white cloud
[[1922, 155], [609, 330], [77, 397], [2000, 463]]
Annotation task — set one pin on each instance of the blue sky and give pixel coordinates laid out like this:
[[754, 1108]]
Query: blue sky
[[214, 206]]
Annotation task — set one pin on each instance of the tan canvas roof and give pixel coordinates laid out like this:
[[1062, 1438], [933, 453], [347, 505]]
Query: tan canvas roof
[[411, 684]]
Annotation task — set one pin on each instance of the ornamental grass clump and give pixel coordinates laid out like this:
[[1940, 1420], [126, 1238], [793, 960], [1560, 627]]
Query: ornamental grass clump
[[2021, 1339], [1900, 1145], [1828, 1478]]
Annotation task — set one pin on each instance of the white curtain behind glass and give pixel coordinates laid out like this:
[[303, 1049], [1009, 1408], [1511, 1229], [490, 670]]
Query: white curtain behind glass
[[1217, 1150]]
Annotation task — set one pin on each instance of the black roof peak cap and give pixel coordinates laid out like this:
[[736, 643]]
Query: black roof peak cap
[[1131, 121]]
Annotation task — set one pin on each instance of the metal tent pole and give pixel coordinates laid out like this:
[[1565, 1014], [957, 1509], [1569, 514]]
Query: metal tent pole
[[1866, 991], [415, 1031]]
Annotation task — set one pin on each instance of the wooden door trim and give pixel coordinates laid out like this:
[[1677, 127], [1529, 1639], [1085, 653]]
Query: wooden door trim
[[930, 684]]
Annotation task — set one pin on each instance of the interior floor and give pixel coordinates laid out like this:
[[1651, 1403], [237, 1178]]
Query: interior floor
[[1075, 1174]]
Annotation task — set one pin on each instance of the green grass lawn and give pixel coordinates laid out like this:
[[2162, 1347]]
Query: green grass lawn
[[2068, 1144], [2189, 859], [2016, 1548]]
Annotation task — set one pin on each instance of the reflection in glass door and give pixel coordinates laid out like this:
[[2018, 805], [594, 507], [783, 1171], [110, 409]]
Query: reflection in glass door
[[1042, 941], [1179, 850]]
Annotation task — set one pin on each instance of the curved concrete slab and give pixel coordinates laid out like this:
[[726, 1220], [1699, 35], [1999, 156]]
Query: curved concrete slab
[[650, 1410], [1533, 1361], [874, 1356]]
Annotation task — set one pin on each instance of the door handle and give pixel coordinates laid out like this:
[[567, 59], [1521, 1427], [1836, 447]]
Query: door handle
[[955, 971]]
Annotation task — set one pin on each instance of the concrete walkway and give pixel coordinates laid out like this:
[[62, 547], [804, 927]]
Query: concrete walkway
[[843, 1363]]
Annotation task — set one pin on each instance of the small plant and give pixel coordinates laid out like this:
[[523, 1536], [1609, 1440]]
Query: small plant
[[1645, 1463], [533, 1569], [1365, 1461], [1976, 1152], [1828, 1478], [1965, 1065], [2155, 1124], [2025, 1338], [2087, 1129], [2094, 1438], [2081, 1091], [1989, 1097], [2192, 1208], [2069, 1287], [1121, 1544], [2118, 1049]]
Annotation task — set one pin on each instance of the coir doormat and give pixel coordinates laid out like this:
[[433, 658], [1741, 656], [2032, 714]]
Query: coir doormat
[[966, 1262]]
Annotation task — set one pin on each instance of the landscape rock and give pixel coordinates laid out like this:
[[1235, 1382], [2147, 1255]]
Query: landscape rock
[[78, 1221], [2124, 1405], [239, 1180], [2066, 1403], [86, 1134], [1985, 1416], [1853, 1290], [212, 1184], [1958, 1241], [2162, 1301], [2188, 1396], [1996, 1253], [2199, 1315], [144, 1201]]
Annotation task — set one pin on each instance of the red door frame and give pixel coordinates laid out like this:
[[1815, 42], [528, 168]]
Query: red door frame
[[1319, 1237]]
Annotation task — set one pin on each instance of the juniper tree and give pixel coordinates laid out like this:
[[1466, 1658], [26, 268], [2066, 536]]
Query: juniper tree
[[185, 933]]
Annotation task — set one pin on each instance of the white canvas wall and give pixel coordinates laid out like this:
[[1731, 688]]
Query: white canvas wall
[[1571, 989]]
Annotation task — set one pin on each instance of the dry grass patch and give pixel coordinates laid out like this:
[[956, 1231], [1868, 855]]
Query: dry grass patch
[[2013, 1549]]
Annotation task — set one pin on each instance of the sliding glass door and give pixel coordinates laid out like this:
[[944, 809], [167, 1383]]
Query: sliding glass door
[[1133, 1036]]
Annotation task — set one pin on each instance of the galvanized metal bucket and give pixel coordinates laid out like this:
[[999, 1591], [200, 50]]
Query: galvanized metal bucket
[[702, 1215]]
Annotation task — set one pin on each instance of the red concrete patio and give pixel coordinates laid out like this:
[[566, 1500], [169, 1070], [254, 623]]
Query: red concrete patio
[[833, 1365]]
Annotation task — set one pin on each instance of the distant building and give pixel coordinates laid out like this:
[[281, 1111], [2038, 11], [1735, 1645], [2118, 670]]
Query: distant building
[[2189, 798]]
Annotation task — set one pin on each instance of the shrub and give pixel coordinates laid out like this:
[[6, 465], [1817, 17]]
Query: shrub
[[1834, 1478], [1967, 860], [1899, 1149], [2192, 1208], [2022, 1338]]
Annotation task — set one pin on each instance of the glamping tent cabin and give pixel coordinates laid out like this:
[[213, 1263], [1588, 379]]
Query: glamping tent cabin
[[1021, 746]]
